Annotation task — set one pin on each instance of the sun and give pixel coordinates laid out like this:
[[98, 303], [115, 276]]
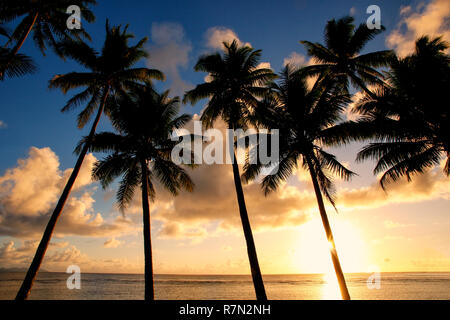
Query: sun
[[312, 252]]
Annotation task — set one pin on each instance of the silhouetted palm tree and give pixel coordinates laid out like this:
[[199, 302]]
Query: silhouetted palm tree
[[340, 56], [141, 154], [235, 85], [409, 120], [302, 116], [46, 19], [111, 73], [19, 65]]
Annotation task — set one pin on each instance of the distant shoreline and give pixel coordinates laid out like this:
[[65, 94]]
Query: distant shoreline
[[222, 275]]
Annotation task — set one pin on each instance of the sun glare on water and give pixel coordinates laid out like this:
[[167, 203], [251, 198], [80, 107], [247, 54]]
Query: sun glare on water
[[312, 254]]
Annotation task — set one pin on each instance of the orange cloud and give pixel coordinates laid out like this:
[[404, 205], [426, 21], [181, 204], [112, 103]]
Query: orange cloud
[[112, 243], [29, 191]]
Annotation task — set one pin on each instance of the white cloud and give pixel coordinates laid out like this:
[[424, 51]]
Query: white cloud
[[169, 53], [295, 59], [431, 19], [215, 37]]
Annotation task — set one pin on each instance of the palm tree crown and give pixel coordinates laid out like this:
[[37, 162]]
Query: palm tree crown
[[145, 121], [111, 70], [235, 85], [16, 66], [341, 56], [45, 20], [303, 115], [408, 121]]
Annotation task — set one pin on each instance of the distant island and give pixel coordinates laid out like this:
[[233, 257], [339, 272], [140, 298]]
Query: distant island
[[18, 270]]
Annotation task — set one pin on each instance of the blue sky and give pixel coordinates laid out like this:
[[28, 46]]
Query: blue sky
[[31, 111], [32, 117]]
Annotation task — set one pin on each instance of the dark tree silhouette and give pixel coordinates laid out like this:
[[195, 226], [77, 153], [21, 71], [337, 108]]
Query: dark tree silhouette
[[141, 154], [235, 85], [303, 116], [111, 74]]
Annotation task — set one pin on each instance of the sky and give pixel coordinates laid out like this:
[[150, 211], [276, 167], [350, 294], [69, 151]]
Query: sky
[[403, 229]]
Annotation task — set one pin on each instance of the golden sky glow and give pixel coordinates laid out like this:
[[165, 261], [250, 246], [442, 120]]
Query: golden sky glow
[[403, 229]]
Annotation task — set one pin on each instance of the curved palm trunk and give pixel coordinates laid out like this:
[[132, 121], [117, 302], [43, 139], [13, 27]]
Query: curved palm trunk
[[251, 249], [323, 214], [19, 44], [149, 290], [43, 245]]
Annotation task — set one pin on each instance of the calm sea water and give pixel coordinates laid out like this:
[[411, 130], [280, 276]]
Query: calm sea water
[[393, 286]]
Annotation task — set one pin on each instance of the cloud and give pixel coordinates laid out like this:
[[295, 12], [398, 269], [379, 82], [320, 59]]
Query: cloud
[[3, 125], [215, 37], [33, 186], [212, 210], [176, 230], [428, 186], [10, 256], [431, 19], [264, 65], [58, 259], [298, 60], [28, 194], [295, 59], [112, 243], [61, 244], [394, 225], [212, 207], [170, 53]]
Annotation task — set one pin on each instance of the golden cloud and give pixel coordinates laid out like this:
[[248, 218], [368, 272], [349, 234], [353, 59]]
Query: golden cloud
[[29, 191]]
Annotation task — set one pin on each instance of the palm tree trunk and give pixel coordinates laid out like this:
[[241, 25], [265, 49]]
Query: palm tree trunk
[[149, 290], [43, 245], [19, 44], [323, 214], [251, 249]]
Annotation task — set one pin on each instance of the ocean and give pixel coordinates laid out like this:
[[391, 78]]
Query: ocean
[[391, 286]]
